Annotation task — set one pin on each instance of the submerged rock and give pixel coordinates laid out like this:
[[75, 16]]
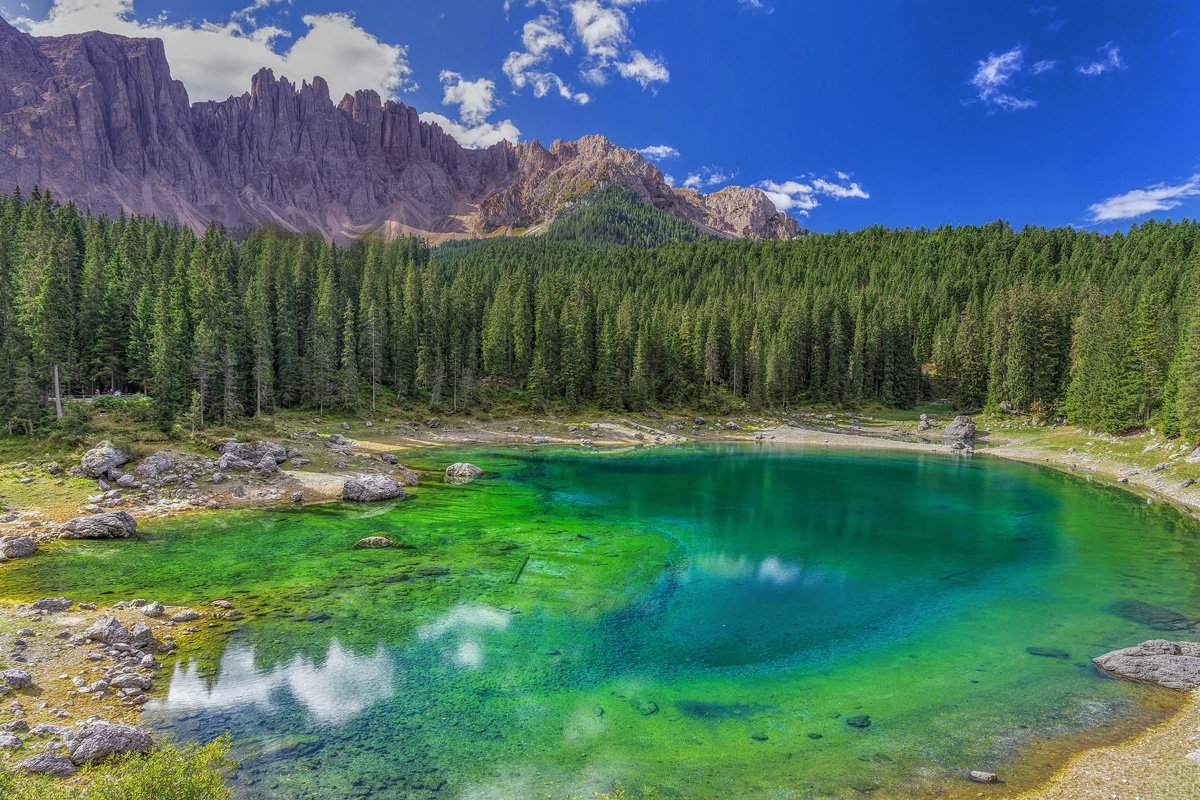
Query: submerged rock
[[410, 479], [101, 458], [187, 615], [111, 525], [462, 473], [1152, 616], [372, 489], [979, 776], [17, 546], [1047, 652], [99, 740], [859, 721], [1173, 665], [643, 706]]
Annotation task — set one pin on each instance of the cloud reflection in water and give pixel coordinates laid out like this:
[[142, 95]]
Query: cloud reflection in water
[[336, 690]]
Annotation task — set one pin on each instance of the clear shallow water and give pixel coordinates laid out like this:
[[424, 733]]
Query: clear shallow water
[[693, 622]]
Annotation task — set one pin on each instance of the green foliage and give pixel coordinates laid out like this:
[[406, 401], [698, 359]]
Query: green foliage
[[215, 330], [187, 772], [616, 217]]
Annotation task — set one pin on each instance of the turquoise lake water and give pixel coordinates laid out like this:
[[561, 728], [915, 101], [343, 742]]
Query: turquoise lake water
[[708, 621]]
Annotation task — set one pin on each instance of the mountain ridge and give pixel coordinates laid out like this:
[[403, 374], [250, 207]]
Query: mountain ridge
[[97, 119]]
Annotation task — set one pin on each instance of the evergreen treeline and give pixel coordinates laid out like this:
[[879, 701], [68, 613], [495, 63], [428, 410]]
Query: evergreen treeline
[[1104, 329], [616, 217]]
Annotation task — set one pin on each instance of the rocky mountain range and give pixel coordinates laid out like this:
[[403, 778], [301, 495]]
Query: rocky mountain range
[[97, 119]]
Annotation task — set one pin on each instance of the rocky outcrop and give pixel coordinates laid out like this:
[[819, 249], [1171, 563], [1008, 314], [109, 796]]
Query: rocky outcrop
[[961, 428], [17, 546], [372, 489], [1174, 665], [462, 473], [97, 119], [102, 458], [99, 740], [111, 525]]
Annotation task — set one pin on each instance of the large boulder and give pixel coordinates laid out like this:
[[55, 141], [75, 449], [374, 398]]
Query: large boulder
[[154, 465], [51, 764], [17, 546], [101, 458], [108, 630], [52, 604], [254, 453], [112, 525], [1174, 665], [961, 428], [462, 473], [372, 488], [99, 740], [16, 679]]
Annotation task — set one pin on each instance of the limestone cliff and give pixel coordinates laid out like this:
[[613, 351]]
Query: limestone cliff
[[96, 118]]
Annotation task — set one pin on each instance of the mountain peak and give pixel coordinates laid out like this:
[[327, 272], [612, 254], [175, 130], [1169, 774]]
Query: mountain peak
[[96, 118]]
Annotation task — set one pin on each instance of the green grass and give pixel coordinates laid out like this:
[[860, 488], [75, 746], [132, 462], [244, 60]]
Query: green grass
[[185, 772]]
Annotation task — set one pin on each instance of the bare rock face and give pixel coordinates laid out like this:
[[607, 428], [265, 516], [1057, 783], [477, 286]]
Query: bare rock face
[[99, 740], [111, 525], [1174, 665], [372, 489], [97, 119], [101, 458]]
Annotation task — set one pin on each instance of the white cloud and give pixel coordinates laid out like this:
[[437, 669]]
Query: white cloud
[[1112, 60], [644, 69], [1158, 197], [669, 179], [475, 99], [602, 31], [1044, 66], [757, 4], [706, 177], [478, 136], [217, 59], [659, 152], [994, 74], [800, 198]]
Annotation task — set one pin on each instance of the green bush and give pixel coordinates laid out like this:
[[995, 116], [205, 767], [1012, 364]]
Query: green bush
[[186, 772]]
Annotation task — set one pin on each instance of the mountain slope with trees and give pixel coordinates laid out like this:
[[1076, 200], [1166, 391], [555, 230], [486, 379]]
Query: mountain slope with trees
[[1104, 329]]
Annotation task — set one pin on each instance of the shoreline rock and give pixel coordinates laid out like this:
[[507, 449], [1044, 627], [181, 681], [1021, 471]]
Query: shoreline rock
[[372, 489], [109, 525], [1172, 665], [462, 472]]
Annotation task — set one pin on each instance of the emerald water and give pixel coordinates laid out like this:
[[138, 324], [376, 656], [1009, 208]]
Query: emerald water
[[691, 622]]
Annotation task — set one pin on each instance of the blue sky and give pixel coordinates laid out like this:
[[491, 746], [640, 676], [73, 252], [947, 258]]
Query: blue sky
[[848, 114]]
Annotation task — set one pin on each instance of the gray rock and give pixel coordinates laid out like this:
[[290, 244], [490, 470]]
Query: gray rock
[[9, 741], [131, 680], [1194, 458], [962, 428], [52, 604], [462, 473], [409, 478], [372, 488], [643, 706], [111, 525], [16, 679], [153, 610], [297, 497], [234, 464], [254, 453], [979, 776], [99, 740], [1173, 665], [54, 468], [101, 458], [337, 438], [731, 426], [372, 542], [154, 465], [1154, 617], [127, 481], [389, 458], [17, 546], [345, 426], [433, 422], [141, 635], [51, 764], [187, 615], [108, 630]]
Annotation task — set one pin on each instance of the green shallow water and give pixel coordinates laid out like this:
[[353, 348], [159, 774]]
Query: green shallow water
[[691, 622]]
